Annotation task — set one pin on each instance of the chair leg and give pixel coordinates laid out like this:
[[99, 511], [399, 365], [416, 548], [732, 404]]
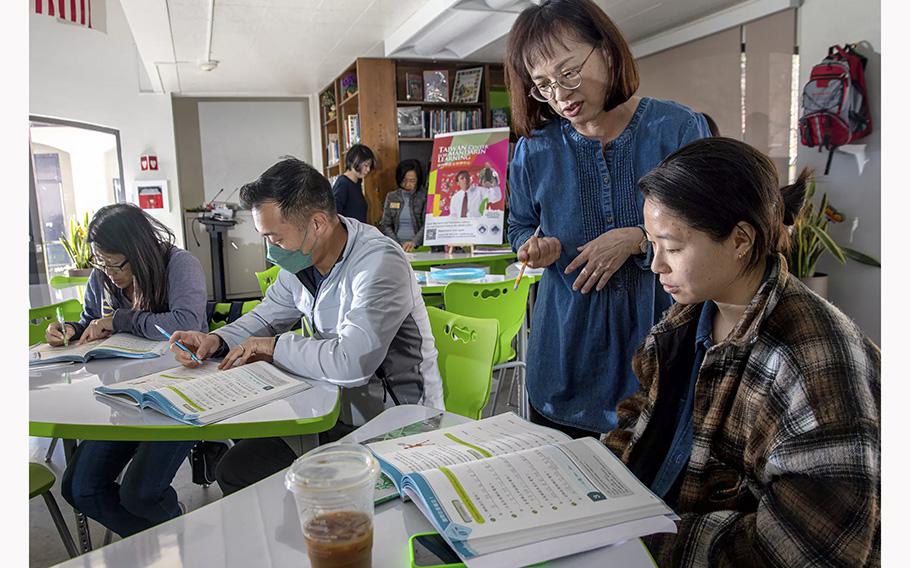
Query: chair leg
[[50, 451], [64, 532], [496, 392]]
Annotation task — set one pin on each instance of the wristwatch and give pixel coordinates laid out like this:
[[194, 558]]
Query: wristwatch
[[643, 245]]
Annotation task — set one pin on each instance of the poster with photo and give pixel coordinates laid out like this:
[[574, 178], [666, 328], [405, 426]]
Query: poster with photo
[[467, 185]]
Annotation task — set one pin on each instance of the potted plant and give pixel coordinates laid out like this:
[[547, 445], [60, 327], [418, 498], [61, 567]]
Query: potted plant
[[809, 239], [77, 247]]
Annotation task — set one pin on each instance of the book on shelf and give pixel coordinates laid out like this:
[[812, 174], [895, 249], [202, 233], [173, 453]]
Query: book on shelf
[[410, 122], [413, 87], [436, 86], [117, 345], [503, 491], [466, 88], [203, 395], [440, 121], [352, 124], [333, 152]]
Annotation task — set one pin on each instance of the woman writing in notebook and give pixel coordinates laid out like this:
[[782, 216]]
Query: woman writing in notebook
[[140, 280], [758, 415], [586, 140]]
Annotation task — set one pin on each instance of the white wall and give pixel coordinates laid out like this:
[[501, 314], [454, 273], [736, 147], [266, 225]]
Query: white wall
[[240, 140], [854, 288], [90, 76]]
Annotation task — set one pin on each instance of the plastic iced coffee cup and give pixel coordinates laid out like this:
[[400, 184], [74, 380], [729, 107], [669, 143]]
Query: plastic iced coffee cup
[[333, 489]]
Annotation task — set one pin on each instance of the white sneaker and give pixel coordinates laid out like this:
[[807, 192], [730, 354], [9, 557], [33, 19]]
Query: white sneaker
[[182, 507]]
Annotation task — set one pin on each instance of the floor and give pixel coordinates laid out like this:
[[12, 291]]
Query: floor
[[45, 546]]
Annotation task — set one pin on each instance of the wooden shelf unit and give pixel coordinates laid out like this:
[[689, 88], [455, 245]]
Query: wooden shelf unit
[[381, 89]]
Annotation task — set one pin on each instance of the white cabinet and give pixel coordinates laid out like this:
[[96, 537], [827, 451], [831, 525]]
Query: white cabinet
[[244, 254]]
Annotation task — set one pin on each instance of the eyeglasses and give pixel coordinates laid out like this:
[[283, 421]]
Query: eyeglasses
[[570, 79], [108, 269]]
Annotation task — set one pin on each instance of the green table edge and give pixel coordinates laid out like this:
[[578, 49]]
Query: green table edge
[[480, 259], [181, 432]]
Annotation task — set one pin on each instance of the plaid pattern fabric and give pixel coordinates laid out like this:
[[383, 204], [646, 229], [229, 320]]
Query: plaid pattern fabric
[[785, 463]]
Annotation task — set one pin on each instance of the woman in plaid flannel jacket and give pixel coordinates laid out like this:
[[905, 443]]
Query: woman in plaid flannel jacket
[[783, 439]]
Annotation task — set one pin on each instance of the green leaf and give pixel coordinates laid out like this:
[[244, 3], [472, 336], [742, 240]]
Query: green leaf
[[829, 244], [860, 257]]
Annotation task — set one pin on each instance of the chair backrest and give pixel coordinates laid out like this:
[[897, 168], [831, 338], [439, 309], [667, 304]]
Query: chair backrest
[[492, 300], [223, 313], [267, 277], [465, 360], [39, 318]]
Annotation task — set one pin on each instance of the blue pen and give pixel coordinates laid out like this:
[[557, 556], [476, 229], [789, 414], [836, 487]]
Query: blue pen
[[178, 344]]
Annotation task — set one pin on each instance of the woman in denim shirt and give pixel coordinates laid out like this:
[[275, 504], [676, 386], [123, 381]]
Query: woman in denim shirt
[[586, 140]]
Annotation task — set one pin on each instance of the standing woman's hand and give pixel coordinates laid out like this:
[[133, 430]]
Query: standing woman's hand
[[602, 257], [540, 252]]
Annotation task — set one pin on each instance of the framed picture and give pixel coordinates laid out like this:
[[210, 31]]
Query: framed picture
[[414, 87], [152, 195], [467, 85], [436, 86]]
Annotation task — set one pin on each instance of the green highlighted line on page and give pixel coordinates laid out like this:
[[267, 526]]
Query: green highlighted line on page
[[187, 399], [478, 449], [475, 514], [174, 377]]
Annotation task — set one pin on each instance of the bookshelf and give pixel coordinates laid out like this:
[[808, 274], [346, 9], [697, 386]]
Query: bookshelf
[[366, 103], [381, 90]]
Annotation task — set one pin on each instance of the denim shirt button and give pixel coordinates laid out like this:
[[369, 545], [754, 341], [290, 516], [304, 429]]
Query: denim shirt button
[[610, 219], [606, 179]]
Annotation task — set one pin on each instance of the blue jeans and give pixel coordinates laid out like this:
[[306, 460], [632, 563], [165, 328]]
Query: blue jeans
[[144, 497]]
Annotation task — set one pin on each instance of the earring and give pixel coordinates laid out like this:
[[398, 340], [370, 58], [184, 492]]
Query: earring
[[741, 255]]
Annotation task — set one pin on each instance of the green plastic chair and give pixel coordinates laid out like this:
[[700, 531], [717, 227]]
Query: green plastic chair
[[465, 360], [39, 318], [223, 310], [40, 481], [493, 300], [267, 277]]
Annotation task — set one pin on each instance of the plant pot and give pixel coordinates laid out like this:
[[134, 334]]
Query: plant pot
[[817, 283], [79, 272]]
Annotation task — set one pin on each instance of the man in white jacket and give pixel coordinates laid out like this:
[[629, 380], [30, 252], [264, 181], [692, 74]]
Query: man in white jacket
[[365, 327]]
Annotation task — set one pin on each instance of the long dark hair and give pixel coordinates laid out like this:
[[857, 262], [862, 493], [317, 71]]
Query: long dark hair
[[714, 183], [535, 33], [124, 228]]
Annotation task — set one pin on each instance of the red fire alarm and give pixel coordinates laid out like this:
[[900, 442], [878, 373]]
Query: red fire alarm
[[153, 162]]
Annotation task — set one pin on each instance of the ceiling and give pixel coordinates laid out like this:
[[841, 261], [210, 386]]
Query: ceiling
[[295, 47]]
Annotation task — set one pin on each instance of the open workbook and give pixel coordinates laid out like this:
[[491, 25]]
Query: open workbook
[[117, 345], [203, 395], [503, 491]]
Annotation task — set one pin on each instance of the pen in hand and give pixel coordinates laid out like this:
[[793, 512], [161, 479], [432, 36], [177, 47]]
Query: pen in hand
[[525, 263], [178, 344], [62, 322]]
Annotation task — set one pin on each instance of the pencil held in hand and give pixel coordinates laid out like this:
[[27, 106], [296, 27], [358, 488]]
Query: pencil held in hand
[[525, 263]]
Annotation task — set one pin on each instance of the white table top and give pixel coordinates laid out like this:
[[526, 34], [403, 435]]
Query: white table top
[[258, 526], [64, 395]]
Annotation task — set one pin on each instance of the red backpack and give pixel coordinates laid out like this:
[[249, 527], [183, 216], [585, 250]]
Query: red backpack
[[835, 106]]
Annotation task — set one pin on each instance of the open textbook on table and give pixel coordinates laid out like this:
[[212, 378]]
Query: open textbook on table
[[505, 492], [117, 345], [203, 395]]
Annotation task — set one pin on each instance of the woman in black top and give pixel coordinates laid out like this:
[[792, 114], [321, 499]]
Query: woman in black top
[[348, 188]]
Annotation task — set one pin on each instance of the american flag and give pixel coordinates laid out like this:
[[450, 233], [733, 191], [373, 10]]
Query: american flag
[[74, 11]]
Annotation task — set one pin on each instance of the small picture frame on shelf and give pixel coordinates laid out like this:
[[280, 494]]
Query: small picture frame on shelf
[[436, 86], [410, 122], [413, 87], [467, 85], [499, 117]]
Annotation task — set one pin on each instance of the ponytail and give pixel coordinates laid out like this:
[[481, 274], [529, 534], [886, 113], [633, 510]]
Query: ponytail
[[794, 196]]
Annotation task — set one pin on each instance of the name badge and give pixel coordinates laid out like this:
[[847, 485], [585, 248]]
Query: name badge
[[395, 205]]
